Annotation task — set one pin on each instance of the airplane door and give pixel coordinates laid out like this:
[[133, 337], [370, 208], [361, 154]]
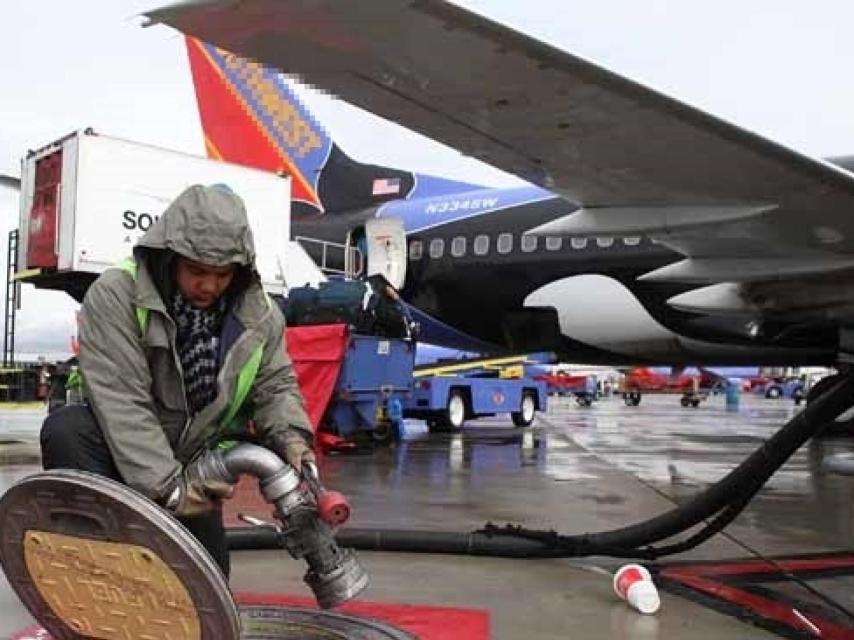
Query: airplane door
[[386, 242], [383, 241]]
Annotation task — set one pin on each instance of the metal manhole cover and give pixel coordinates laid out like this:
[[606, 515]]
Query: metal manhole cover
[[91, 558], [287, 623]]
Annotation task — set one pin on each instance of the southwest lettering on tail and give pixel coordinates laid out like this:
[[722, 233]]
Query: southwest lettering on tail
[[291, 129]]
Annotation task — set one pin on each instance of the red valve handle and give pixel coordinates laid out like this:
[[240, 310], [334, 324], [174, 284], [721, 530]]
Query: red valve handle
[[333, 508]]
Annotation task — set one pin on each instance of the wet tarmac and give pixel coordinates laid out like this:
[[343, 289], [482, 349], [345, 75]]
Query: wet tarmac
[[576, 470]]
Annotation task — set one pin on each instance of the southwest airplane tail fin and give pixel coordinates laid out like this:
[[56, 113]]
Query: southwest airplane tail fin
[[251, 116]]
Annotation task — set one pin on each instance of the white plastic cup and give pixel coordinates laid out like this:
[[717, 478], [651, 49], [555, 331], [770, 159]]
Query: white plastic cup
[[633, 583]]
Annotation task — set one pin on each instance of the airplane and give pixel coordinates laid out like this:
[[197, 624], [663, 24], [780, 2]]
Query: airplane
[[651, 232]]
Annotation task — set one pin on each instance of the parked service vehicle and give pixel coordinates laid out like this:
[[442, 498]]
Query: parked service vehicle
[[777, 388], [692, 389], [584, 388], [445, 402]]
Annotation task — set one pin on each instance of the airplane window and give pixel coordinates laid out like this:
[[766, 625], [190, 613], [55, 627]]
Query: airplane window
[[604, 241], [458, 247], [504, 243], [437, 247], [481, 245], [416, 250], [553, 244], [632, 241], [578, 243], [529, 243]]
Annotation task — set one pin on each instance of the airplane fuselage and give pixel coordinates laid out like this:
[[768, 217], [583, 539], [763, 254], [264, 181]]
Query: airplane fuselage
[[478, 283]]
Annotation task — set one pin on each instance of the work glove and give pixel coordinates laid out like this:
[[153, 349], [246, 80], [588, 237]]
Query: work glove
[[193, 494], [291, 446]]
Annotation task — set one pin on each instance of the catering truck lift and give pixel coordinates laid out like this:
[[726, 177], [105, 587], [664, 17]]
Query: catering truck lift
[[87, 198]]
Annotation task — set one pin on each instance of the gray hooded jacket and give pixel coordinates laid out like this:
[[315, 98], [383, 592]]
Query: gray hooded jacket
[[128, 355]]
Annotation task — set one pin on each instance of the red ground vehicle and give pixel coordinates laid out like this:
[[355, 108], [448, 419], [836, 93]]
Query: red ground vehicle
[[582, 387], [692, 388], [750, 384]]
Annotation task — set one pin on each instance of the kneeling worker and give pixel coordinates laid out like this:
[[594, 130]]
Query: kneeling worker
[[179, 348]]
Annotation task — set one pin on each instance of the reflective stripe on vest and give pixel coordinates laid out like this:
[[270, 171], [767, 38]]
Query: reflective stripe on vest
[[248, 373], [128, 265], [245, 379]]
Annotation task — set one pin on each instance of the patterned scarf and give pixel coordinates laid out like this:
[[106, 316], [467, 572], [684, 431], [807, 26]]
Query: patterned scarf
[[198, 346]]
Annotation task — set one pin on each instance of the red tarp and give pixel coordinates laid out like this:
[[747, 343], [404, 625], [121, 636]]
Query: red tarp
[[317, 352]]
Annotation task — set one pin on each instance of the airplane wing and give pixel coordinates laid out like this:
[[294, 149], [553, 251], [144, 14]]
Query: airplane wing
[[742, 209]]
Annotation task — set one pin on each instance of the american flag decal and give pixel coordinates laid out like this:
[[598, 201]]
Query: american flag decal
[[385, 186]]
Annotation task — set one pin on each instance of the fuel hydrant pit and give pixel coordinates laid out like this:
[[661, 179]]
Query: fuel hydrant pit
[[90, 558], [266, 622], [277, 622]]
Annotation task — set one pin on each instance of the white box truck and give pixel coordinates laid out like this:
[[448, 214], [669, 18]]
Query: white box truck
[[87, 198]]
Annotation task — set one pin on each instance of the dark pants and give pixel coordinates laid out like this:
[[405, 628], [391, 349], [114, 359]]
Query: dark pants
[[72, 439]]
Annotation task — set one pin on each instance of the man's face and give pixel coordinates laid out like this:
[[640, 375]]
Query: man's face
[[202, 284]]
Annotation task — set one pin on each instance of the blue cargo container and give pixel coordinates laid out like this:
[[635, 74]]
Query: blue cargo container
[[375, 377]]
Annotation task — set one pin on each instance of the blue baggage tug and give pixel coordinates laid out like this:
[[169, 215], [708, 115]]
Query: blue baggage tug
[[445, 397]]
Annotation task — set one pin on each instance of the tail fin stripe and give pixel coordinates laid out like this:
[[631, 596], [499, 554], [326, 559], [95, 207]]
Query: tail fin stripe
[[211, 148]]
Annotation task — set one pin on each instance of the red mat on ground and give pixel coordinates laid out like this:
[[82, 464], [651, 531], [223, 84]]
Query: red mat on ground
[[317, 353], [763, 592], [424, 622]]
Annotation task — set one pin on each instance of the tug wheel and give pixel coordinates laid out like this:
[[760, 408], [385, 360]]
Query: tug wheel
[[527, 409], [455, 411]]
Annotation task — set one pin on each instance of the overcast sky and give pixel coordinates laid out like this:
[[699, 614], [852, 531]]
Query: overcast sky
[[781, 68]]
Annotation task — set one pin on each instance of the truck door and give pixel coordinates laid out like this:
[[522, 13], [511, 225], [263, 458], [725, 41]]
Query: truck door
[[43, 219]]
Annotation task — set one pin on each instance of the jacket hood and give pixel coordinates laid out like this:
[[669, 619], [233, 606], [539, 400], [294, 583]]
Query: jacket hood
[[205, 224]]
